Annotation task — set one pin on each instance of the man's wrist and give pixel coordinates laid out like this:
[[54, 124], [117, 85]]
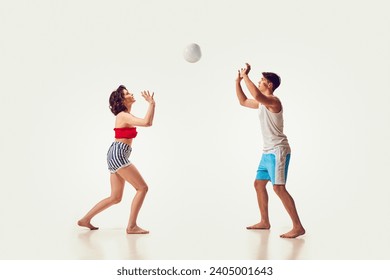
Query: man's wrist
[[245, 77]]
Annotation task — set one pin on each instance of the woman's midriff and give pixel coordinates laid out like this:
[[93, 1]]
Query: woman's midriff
[[124, 140]]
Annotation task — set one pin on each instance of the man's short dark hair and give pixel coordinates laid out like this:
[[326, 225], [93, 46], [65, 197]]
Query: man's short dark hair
[[273, 78]]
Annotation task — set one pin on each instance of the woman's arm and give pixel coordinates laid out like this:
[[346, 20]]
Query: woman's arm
[[149, 116]]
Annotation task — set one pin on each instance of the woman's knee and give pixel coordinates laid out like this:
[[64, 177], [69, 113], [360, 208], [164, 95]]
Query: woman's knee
[[143, 188], [115, 199]]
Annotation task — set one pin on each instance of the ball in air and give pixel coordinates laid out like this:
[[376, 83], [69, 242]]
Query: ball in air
[[192, 53]]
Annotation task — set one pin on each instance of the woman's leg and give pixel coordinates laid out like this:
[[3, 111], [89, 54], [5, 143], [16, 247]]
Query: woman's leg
[[132, 175], [117, 186]]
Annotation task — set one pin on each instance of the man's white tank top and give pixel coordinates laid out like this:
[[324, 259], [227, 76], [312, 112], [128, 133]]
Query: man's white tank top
[[272, 129]]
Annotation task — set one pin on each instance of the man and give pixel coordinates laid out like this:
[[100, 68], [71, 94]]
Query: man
[[276, 149]]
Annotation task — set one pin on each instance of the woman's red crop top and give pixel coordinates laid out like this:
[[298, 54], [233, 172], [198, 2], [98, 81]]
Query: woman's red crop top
[[125, 132]]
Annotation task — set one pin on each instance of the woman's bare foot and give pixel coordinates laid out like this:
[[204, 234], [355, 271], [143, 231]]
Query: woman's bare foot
[[87, 224], [294, 233], [261, 225], [136, 230]]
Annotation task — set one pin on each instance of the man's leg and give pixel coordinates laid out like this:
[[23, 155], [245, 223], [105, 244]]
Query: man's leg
[[262, 200], [289, 204]]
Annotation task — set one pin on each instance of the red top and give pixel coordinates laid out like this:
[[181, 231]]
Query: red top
[[125, 132]]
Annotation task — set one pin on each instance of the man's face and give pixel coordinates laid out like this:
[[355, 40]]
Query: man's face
[[264, 84]]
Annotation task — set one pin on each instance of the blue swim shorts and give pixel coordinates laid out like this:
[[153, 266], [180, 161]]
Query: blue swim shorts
[[274, 165]]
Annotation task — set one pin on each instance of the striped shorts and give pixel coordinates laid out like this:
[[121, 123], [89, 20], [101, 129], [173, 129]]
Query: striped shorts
[[118, 156]]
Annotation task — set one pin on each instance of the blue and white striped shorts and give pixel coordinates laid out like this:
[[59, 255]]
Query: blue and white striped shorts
[[118, 156], [274, 165]]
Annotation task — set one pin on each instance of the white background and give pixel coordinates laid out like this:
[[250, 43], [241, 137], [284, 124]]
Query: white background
[[60, 60]]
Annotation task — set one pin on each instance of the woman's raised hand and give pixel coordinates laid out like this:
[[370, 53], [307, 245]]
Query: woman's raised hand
[[148, 97]]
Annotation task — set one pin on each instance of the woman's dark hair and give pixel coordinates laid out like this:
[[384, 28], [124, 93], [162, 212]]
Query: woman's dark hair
[[116, 101]]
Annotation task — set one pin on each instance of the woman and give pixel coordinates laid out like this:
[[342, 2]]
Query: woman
[[118, 158]]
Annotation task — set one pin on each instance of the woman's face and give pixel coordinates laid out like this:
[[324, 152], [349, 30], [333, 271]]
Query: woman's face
[[128, 97]]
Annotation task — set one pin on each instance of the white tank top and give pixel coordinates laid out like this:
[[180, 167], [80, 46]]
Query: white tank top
[[272, 129]]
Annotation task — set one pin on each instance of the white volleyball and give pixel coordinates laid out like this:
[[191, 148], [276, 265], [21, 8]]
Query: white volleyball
[[192, 53]]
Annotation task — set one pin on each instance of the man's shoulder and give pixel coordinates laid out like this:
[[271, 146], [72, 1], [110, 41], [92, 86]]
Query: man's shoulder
[[276, 105], [277, 99]]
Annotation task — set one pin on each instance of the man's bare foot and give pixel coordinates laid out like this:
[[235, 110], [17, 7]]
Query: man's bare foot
[[87, 224], [136, 230], [261, 225], [294, 233]]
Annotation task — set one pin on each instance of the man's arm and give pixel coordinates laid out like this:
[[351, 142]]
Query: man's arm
[[244, 101], [271, 102]]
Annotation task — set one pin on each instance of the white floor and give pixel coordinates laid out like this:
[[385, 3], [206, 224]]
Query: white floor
[[221, 242], [339, 226]]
